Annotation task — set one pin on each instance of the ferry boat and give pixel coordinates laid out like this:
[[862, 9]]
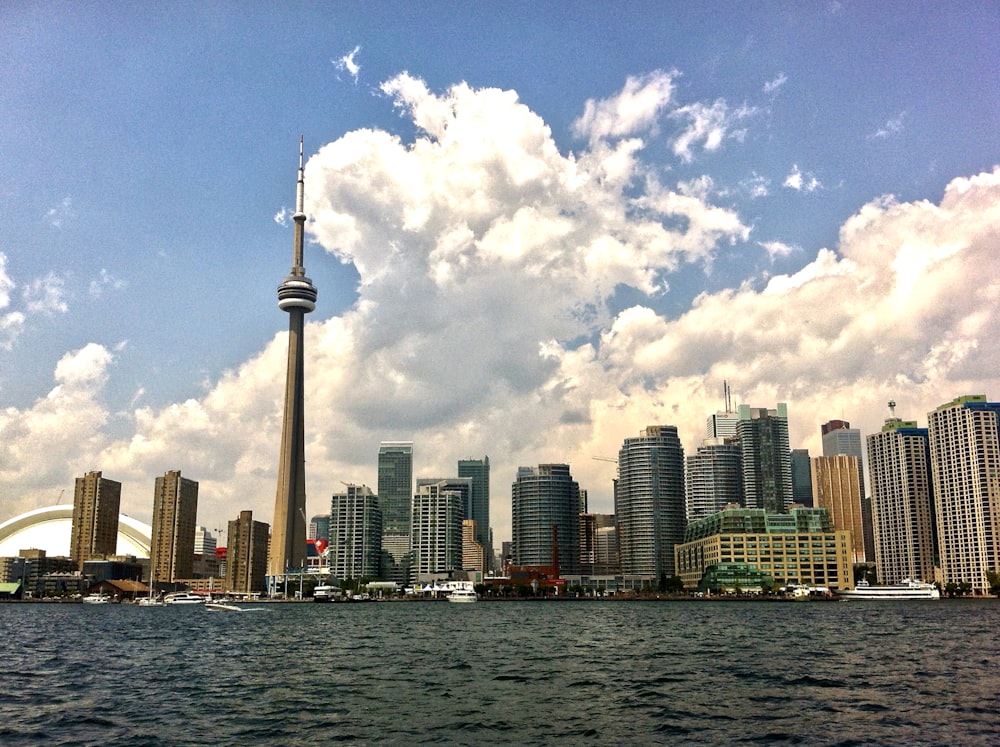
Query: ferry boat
[[326, 593], [183, 597], [463, 596], [909, 589]]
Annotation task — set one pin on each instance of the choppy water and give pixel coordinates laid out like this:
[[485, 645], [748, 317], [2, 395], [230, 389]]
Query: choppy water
[[673, 673]]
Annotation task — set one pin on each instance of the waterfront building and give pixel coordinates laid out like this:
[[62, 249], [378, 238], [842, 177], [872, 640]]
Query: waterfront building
[[395, 497], [840, 438], [246, 555], [175, 509], [899, 472], [94, 533], [473, 553], [478, 470], [649, 502], [766, 457], [545, 507], [798, 547], [297, 297], [802, 488], [206, 563], [836, 486], [714, 477], [965, 470], [355, 523], [319, 527], [436, 530]]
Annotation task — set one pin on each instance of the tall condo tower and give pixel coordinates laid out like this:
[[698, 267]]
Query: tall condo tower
[[297, 296], [766, 457], [175, 509], [395, 500], [95, 517], [543, 499]]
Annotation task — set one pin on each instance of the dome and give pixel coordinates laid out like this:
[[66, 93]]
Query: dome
[[50, 528]]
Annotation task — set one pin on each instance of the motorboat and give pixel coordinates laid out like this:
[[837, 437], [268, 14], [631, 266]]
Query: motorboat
[[183, 597], [222, 607], [463, 596], [149, 602], [908, 589], [326, 593], [97, 599]]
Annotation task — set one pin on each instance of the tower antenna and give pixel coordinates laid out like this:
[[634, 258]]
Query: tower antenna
[[892, 408]]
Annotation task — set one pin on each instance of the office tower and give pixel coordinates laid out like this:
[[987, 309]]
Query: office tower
[[649, 502], [246, 556], [355, 523], [606, 549], [175, 511], [766, 458], [899, 472], [714, 477], [545, 502], [205, 564], [965, 471], [460, 485], [802, 487], [473, 552], [395, 497], [479, 471], [836, 487], [722, 424], [319, 527], [297, 297], [96, 501], [436, 530], [840, 438]]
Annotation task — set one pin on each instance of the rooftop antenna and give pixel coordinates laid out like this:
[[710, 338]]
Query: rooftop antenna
[[892, 408]]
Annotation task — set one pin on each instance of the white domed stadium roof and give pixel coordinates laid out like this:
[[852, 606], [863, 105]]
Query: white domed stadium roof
[[50, 528]]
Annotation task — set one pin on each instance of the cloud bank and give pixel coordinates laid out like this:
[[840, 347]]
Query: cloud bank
[[487, 321]]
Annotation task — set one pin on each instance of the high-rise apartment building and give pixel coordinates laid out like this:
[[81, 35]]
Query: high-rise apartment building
[[175, 513], [899, 472], [802, 487], [319, 527], [473, 553], [94, 533], [840, 438], [206, 563], [479, 500], [649, 502], [545, 507], [714, 477], [355, 530], [297, 297], [436, 531], [246, 555], [766, 457], [965, 469], [836, 487], [395, 501]]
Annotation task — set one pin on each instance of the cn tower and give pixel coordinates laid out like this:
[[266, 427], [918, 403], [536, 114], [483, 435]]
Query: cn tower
[[297, 296]]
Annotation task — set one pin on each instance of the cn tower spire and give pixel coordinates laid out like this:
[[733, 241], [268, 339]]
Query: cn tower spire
[[297, 296]]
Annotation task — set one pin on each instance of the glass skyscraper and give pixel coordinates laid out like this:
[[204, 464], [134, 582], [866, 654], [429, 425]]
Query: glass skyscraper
[[766, 457], [649, 502], [395, 500], [545, 502]]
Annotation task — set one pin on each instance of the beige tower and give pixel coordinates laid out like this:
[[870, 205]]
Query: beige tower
[[246, 555], [297, 296], [837, 487], [175, 516], [95, 517]]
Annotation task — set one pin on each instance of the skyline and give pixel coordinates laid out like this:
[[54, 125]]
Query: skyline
[[535, 232]]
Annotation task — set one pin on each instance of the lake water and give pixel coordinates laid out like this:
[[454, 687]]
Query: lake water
[[503, 673]]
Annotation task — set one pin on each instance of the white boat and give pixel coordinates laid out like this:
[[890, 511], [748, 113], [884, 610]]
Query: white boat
[[909, 589], [325, 593], [183, 597], [463, 596], [222, 607], [97, 599], [149, 602]]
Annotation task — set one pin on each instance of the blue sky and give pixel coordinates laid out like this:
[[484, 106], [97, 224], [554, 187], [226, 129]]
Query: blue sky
[[536, 228]]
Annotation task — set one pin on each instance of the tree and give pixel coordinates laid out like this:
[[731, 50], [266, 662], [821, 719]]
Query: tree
[[674, 585], [993, 579]]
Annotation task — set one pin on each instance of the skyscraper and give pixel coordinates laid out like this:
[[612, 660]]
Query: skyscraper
[[965, 468], [836, 487], [96, 501], [714, 477], [900, 477], [297, 296], [395, 499], [802, 487], [355, 523], [766, 457], [839, 438], [436, 531], [649, 502], [543, 498], [246, 555], [479, 471], [175, 513]]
